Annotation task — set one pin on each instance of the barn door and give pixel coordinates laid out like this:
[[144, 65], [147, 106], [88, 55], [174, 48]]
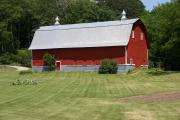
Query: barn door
[[58, 65]]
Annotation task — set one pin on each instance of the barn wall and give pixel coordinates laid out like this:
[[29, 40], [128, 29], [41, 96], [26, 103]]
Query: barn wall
[[81, 56], [137, 49]]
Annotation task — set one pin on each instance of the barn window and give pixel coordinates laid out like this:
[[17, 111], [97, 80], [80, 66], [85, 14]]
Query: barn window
[[131, 61], [132, 34], [142, 35]]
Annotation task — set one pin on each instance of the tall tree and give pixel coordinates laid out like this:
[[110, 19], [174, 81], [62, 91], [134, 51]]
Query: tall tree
[[8, 14], [81, 11], [163, 25], [134, 8]]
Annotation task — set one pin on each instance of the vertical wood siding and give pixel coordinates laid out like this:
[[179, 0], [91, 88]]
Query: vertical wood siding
[[81, 56], [137, 48]]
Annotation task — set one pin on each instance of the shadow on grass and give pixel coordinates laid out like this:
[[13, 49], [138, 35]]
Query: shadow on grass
[[159, 73], [4, 68]]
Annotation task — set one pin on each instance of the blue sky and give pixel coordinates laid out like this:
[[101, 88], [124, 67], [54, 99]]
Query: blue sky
[[151, 3]]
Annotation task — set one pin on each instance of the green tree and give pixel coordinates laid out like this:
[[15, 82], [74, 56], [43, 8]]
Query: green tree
[[163, 25], [134, 8], [17, 23], [49, 60], [81, 11]]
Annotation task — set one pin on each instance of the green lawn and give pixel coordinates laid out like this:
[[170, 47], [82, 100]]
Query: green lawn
[[87, 96]]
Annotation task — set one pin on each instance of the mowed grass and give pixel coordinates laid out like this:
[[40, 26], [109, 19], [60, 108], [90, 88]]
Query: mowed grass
[[87, 96]]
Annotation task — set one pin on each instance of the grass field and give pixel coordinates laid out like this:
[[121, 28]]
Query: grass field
[[88, 96]]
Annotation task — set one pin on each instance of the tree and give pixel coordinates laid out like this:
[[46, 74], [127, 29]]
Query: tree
[[163, 26], [134, 8], [17, 23], [82, 11], [49, 60]]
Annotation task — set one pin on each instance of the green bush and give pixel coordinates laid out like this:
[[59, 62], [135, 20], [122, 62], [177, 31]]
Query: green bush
[[49, 60], [151, 64], [21, 57], [6, 68], [108, 66], [6, 59], [131, 71], [25, 72], [25, 82]]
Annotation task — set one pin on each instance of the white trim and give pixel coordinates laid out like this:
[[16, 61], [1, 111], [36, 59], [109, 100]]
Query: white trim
[[133, 36], [94, 65], [142, 36], [127, 64], [126, 55], [81, 65], [60, 67], [144, 65]]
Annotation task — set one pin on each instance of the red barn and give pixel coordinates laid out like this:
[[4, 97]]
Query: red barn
[[82, 47]]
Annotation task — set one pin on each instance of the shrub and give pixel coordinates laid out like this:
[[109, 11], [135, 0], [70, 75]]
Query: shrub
[[25, 82], [21, 57], [108, 66], [131, 71], [159, 64], [6, 68], [151, 64], [25, 72], [5, 59], [49, 60]]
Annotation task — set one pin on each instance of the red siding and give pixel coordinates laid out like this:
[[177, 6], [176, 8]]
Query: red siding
[[81, 56], [137, 49]]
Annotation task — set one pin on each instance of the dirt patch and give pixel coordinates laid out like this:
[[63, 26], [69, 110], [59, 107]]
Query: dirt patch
[[161, 97], [20, 68], [137, 114]]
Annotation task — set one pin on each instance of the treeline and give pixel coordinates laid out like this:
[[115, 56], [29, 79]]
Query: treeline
[[20, 18], [163, 25]]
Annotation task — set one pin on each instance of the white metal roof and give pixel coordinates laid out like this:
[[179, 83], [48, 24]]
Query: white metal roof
[[98, 34]]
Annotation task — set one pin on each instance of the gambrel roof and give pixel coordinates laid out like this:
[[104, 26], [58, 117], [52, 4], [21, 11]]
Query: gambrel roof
[[98, 34]]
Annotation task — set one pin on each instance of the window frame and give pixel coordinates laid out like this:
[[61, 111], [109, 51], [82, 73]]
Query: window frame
[[133, 34], [142, 36]]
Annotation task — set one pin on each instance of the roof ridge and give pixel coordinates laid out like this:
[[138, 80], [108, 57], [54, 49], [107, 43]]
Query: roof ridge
[[83, 27], [88, 25]]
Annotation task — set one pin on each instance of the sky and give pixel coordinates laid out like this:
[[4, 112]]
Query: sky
[[151, 3]]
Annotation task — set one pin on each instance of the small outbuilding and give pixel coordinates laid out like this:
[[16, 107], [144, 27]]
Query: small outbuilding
[[82, 47]]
